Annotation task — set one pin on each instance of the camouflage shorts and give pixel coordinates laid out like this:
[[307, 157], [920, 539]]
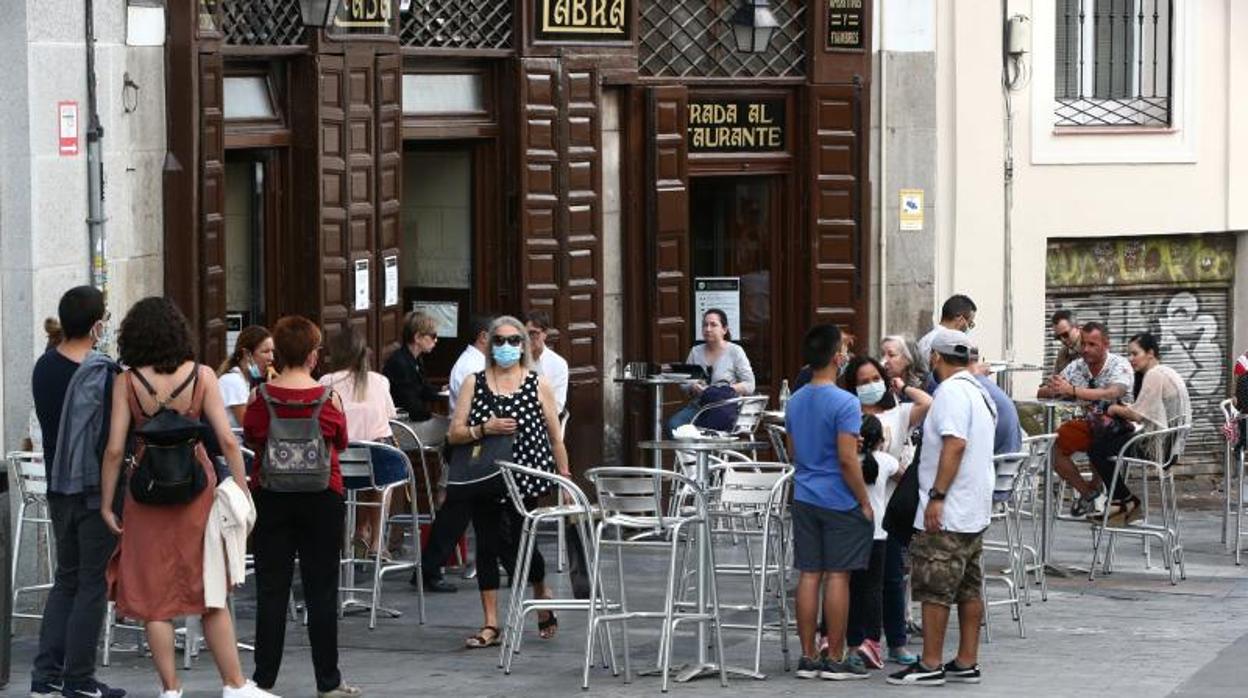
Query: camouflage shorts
[[945, 567]]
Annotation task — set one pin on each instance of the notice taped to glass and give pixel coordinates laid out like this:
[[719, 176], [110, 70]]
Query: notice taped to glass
[[583, 20], [718, 293], [736, 125], [846, 22]]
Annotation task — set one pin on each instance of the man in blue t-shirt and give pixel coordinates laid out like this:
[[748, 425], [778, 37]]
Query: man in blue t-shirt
[[832, 520]]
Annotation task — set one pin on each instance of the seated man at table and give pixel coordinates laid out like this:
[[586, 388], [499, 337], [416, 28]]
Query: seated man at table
[[1099, 379], [833, 525]]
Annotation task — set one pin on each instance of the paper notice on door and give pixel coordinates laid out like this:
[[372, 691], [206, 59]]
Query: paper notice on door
[[362, 301], [719, 293], [391, 264]]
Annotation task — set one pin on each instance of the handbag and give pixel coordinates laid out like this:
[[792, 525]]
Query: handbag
[[1104, 426], [478, 461], [902, 506]]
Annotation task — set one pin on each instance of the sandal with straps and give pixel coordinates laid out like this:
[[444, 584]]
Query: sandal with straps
[[547, 628], [481, 640]]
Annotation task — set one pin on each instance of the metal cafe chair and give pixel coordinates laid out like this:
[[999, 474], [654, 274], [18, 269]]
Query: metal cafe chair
[[751, 503], [385, 470], [1026, 505], [30, 482], [1154, 452], [778, 436], [1010, 474], [572, 507], [561, 542], [409, 441], [631, 500]]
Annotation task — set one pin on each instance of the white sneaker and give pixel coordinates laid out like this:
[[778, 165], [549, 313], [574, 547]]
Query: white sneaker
[[171, 694], [247, 690]]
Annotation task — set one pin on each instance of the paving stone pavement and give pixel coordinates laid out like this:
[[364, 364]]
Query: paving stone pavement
[[1128, 634]]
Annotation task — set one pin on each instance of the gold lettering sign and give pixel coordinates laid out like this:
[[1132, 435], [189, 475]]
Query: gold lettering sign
[[736, 125], [583, 20], [364, 14], [846, 22]]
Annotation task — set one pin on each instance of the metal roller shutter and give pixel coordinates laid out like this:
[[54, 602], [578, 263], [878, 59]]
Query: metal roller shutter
[[1193, 327]]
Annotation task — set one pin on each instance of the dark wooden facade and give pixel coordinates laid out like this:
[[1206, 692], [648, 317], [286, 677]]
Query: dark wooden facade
[[338, 145]]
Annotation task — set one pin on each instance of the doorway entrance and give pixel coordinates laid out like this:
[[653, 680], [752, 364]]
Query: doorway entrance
[[734, 224], [252, 196]]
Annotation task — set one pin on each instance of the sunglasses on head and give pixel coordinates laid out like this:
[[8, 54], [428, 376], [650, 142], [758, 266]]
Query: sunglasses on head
[[514, 340]]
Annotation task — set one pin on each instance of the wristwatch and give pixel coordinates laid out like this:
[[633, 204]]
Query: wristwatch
[[935, 495]]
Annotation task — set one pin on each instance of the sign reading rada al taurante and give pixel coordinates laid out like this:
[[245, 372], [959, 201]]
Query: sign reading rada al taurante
[[583, 20], [846, 21], [736, 125]]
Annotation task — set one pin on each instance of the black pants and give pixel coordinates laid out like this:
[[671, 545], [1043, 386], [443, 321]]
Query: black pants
[[74, 611], [866, 598], [310, 525], [497, 525], [1102, 455]]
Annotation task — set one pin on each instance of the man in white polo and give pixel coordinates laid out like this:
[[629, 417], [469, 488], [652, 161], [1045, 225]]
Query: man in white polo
[[548, 363], [956, 477]]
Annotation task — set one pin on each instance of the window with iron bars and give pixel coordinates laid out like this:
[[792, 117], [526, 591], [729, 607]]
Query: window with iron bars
[[1114, 62], [458, 24], [693, 38]]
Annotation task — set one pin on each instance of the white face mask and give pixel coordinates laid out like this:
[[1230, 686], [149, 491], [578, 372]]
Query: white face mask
[[871, 393]]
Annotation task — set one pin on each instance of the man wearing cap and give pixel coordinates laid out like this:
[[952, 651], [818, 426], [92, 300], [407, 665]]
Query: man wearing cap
[[955, 506]]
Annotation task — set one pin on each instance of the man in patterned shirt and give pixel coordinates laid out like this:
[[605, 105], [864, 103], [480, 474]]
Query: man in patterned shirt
[[1098, 379]]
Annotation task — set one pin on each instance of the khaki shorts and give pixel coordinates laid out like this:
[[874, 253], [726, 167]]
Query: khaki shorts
[[945, 567]]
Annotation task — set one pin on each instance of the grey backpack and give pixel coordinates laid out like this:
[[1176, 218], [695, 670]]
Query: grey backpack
[[296, 457]]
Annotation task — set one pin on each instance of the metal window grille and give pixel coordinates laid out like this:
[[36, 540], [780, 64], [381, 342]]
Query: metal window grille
[[262, 22], [693, 38], [1114, 62], [458, 24], [208, 10]]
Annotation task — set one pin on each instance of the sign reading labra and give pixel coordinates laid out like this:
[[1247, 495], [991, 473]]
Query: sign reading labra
[[736, 125], [846, 22], [583, 20], [364, 15]]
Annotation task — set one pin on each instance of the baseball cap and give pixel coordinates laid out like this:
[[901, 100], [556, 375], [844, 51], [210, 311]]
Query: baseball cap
[[954, 343]]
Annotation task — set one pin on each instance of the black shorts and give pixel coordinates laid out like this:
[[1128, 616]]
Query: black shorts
[[825, 540]]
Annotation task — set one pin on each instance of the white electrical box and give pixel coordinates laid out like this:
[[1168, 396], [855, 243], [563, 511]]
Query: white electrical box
[[1019, 35]]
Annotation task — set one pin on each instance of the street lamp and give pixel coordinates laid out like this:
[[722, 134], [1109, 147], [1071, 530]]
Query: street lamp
[[317, 13], [753, 24]]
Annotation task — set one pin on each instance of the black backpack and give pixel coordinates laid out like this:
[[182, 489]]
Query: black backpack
[[166, 469]]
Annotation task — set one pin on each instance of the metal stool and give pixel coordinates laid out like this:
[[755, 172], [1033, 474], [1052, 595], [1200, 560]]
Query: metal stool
[[1010, 470], [30, 481], [631, 500], [577, 511], [752, 500], [1155, 452], [409, 441]]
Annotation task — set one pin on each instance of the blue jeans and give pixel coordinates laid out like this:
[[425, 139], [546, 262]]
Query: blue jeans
[[683, 417], [894, 593]]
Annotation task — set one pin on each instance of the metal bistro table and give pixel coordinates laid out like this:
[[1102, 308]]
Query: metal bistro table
[[702, 449], [1049, 512], [656, 384]]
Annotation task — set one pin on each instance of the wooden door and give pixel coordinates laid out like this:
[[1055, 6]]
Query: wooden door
[[389, 204], [838, 273], [668, 210], [211, 261]]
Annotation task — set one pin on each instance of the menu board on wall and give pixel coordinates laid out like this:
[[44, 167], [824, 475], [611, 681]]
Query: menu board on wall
[[583, 20], [718, 293], [846, 22], [736, 125]]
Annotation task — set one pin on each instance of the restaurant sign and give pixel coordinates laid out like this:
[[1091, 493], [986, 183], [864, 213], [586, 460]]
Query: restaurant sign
[[736, 125], [583, 20], [364, 16], [846, 22]]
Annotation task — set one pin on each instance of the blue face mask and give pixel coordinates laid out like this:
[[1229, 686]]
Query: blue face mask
[[507, 356], [871, 393], [254, 370]]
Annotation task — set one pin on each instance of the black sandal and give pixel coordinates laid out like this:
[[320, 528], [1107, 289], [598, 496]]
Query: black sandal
[[481, 641], [547, 628]]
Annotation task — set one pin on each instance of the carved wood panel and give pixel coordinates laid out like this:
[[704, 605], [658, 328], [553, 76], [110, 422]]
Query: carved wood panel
[[212, 209], [836, 227], [560, 192], [389, 190], [334, 233], [668, 208]]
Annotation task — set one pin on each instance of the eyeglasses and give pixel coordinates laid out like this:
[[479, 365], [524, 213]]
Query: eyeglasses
[[1063, 336], [534, 334], [970, 324], [433, 336], [514, 340]]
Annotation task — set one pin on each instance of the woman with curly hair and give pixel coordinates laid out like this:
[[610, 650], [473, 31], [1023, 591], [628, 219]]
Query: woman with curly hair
[[157, 571]]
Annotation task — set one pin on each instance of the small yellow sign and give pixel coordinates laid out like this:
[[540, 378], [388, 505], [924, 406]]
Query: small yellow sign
[[910, 209]]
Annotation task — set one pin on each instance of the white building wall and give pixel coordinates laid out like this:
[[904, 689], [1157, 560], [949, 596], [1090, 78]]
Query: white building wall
[[43, 196], [1189, 179]]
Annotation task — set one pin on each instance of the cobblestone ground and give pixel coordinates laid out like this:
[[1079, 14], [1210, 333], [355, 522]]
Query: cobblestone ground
[[1128, 634]]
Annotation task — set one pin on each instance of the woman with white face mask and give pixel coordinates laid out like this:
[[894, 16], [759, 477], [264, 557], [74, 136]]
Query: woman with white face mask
[[866, 378]]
